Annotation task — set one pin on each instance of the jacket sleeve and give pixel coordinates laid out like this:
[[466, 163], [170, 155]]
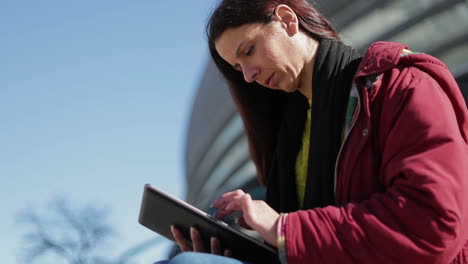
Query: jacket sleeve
[[421, 215]]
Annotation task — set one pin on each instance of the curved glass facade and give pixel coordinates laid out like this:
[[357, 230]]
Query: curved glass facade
[[427, 33], [436, 27]]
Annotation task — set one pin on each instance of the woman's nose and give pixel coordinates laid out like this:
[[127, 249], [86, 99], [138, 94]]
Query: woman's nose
[[250, 73]]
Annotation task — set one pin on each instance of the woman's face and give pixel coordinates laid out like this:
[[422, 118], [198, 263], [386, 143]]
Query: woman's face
[[269, 54]]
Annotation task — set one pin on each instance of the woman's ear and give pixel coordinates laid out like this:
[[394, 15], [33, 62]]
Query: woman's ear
[[288, 19]]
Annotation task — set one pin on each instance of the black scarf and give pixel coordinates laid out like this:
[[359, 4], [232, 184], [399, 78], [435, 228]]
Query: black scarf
[[334, 69]]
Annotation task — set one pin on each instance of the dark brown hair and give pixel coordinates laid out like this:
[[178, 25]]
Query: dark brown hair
[[260, 108]]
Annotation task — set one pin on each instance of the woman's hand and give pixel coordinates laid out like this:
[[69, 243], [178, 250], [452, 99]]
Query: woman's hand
[[197, 243], [257, 214]]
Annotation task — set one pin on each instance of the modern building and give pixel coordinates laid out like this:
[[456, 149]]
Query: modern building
[[217, 158]]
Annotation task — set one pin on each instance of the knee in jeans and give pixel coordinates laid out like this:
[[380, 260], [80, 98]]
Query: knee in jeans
[[185, 257]]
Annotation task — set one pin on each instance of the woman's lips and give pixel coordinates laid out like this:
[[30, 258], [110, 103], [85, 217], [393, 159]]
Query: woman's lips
[[269, 82]]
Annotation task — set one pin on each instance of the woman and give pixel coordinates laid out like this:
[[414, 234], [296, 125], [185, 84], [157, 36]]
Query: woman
[[364, 158]]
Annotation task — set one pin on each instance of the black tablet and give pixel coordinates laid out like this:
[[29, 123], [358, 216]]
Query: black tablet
[[160, 210]]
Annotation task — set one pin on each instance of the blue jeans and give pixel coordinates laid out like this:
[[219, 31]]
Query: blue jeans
[[200, 258]]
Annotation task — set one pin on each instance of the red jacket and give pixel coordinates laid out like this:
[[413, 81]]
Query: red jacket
[[402, 174]]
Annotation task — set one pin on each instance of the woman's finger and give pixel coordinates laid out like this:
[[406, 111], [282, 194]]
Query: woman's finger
[[247, 205], [234, 205], [241, 221], [215, 246], [225, 198], [197, 241], [228, 253], [180, 240]]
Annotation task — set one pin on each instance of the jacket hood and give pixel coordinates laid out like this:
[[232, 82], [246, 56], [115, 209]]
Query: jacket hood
[[382, 56]]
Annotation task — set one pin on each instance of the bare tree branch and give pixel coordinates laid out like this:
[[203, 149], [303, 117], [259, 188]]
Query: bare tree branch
[[73, 234]]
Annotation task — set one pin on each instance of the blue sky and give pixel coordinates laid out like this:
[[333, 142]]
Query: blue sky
[[95, 98]]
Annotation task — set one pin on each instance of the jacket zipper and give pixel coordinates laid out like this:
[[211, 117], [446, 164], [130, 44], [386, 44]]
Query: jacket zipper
[[353, 122]]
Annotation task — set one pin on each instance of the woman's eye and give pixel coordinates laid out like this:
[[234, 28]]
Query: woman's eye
[[249, 51]]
